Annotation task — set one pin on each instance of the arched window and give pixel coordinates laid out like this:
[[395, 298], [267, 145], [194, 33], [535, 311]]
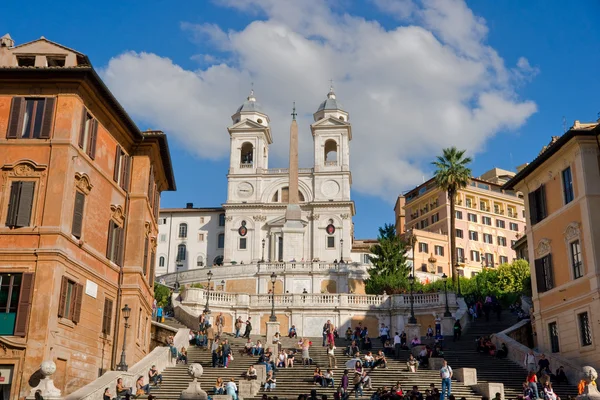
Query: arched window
[[221, 241], [221, 219], [181, 250], [247, 153], [285, 196], [200, 261], [161, 261], [183, 230], [330, 152], [218, 260]]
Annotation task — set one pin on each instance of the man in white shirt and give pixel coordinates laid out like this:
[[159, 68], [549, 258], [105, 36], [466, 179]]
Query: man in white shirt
[[446, 375], [383, 332], [397, 344], [530, 361]]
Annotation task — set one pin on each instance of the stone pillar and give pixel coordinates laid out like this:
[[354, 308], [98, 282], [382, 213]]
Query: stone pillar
[[412, 330], [46, 386], [194, 391], [467, 376], [272, 329], [448, 326]]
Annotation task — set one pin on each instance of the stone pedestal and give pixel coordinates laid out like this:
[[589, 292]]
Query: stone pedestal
[[248, 389], [261, 373], [489, 389], [436, 363], [46, 388], [448, 326], [194, 391], [467, 376], [412, 331], [293, 234], [272, 329]]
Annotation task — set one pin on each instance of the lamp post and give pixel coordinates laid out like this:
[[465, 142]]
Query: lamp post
[[122, 366], [447, 313], [222, 286], [412, 242], [458, 279], [206, 309], [341, 251], [262, 259], [273, 318], [412, 319]]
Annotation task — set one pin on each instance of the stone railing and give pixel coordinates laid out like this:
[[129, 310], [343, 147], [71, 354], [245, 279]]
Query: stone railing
[[517, 352], [196, 297], [160, 356], [251, 270]]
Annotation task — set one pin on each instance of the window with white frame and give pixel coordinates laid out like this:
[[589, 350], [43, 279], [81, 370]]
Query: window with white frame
[[576, 264]]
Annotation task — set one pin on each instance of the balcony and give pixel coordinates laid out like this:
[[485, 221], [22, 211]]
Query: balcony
[[246, 165], [331, 163]]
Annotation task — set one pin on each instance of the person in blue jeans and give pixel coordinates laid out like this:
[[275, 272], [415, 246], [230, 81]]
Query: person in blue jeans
[[446, 375]]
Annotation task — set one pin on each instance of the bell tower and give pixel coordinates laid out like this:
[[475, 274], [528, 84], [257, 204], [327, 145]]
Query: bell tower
[[250, 138]]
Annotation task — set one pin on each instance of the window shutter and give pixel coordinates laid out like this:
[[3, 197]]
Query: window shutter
[[550, 273], [13, 204], [156, 203], [152, 268], [82, 128], [77, 303], [25, 297], [92, 139], [117, 164], [63, 297], [78, 214], [151, 187], [48, 117], [107, 316], [25, 204], [15, 123], [542, 212], [121, 245], [109, 240], [533, 208], [126, 172], [539, 276], [145, 266]]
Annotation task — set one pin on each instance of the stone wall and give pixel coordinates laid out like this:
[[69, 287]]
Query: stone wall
[[159, 334]]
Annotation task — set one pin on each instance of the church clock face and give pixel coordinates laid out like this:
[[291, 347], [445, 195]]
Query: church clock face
[[245, 189]]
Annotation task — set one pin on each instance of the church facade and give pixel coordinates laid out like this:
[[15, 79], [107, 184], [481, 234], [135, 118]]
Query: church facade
[[258, 196]]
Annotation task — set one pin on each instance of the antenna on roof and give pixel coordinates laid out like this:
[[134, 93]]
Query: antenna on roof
[[564, 122]]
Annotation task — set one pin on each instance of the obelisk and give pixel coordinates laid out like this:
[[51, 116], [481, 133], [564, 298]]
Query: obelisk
[[293, 229]]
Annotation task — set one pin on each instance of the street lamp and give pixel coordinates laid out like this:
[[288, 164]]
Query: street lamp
[[273, 318], [223, 285], [447, 313], [122, 366], [206, 309], [412, 319], [412, 242], [262, 259], [458, 279], [341, 251]]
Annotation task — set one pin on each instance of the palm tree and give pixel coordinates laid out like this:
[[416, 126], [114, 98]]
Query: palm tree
[[451, 175]]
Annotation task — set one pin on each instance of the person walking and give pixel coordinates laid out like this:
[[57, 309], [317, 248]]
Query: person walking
[[238, 326], [532, 382], [529, 361], [226, 351], [248, 328], [305, 345], [210, 336], [159, 313], [219, 322], [446, 375], [397, 345], [457, 330], [331, 356]]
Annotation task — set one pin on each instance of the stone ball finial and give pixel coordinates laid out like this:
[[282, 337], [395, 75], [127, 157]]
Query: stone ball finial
[[195, 370], [589, 374], [48, 368]]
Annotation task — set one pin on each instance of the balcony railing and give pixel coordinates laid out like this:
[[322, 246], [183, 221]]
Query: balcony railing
[[246, 165], [331, 163]]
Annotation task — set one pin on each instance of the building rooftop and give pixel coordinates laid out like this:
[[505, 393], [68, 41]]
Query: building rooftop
[[556, 143], [330, 103]]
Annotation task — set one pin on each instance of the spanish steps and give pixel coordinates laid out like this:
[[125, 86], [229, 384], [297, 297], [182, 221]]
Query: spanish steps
[[293, 381]]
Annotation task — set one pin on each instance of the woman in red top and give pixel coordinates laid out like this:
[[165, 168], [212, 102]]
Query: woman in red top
[[532, 381]]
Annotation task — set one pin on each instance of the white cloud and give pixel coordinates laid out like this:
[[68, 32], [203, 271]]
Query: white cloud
[[410, 90]]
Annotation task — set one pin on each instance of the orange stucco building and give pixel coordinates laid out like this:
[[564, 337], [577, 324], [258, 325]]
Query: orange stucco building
[[80, 192], [562, 199]]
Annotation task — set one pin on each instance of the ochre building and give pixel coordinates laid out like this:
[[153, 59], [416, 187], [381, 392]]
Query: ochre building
[[562, 196], [80, 192]]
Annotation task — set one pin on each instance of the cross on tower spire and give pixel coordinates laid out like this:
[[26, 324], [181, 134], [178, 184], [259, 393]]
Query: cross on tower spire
[[294, 112]]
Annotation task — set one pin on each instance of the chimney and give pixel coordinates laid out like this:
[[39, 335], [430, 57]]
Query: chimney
[[189, 205]]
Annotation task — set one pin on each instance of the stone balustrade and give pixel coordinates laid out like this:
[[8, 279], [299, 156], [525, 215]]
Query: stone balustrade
[[196, 297], [160, 356]]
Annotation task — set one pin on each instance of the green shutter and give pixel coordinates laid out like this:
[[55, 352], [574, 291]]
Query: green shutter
[[25, 300], [76, 226]]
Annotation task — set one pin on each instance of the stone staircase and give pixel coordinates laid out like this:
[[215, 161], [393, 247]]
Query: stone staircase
[[463, 354], [293, 381]]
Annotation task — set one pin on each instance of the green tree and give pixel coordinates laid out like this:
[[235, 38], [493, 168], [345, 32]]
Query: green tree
[[161, 294], [452, 174], [390, 269]]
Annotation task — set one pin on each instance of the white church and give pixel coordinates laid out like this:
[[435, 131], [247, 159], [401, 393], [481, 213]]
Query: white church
[[263, 221]]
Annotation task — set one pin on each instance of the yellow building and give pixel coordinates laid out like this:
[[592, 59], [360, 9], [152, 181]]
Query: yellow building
[[562, 192], [489, 220]]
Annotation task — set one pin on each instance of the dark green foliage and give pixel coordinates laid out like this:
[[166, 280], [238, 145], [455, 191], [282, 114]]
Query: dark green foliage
[[390, 270]]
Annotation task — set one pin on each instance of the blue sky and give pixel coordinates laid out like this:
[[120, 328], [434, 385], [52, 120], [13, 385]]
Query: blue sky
[[185, 67]]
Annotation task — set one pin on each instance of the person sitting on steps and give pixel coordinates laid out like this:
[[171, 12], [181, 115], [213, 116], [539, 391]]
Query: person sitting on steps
[[412, 364]]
